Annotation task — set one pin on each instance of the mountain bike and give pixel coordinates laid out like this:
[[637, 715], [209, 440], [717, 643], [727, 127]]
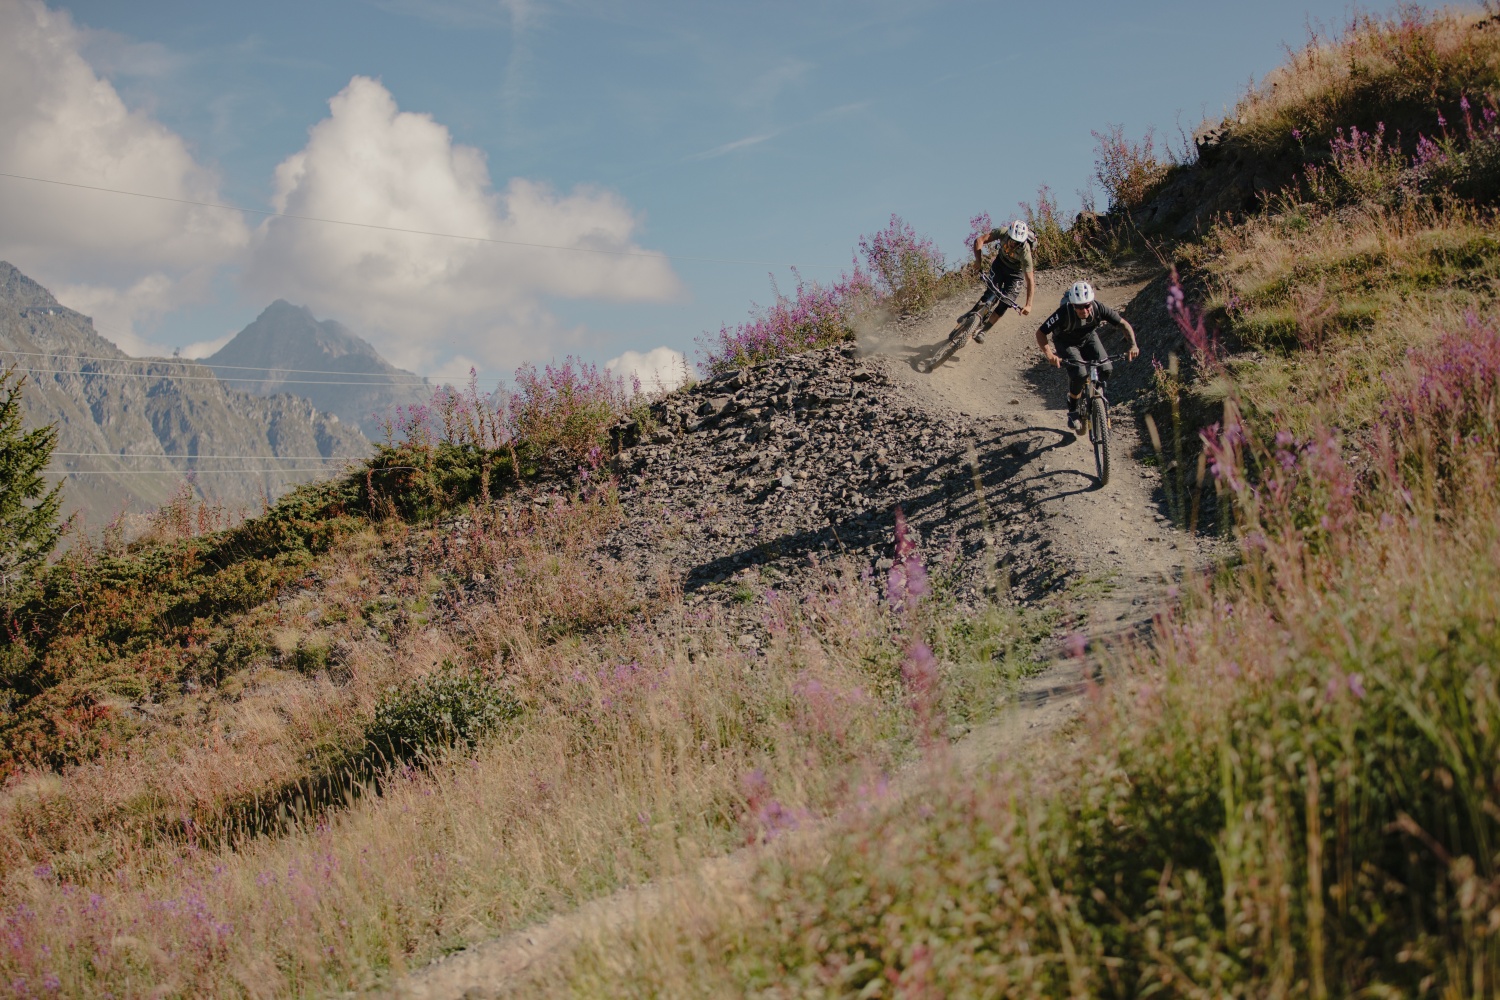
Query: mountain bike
[[1096, 415], [969, 324]]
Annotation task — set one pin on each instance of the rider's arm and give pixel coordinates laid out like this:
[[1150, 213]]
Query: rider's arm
[[1112, 316], [1044, 343], [979, 242], [1030, 291]]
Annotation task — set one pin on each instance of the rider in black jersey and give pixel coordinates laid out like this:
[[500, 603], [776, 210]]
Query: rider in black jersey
[[1074, 328], [1012, 265]]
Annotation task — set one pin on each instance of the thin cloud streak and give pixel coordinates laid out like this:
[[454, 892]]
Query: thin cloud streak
[[730, 147]]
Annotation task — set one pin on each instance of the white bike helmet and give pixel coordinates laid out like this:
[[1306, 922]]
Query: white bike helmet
[[1020, 231], [1081, 294]]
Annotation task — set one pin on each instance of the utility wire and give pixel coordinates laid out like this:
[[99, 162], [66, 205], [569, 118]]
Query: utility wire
[[269, 458], [399, 229], [164, 472], [205, 364], [196, 378]]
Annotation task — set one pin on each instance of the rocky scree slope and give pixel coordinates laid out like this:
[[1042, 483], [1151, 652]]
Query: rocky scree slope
[[753, 477]]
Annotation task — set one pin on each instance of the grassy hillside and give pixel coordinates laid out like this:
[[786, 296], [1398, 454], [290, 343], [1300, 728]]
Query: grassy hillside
[[419, 705], [1292, 791], [423, 705]]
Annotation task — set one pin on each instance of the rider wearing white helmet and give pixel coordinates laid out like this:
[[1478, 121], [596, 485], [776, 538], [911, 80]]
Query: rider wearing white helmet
[[1074, 327], [1012, 265]]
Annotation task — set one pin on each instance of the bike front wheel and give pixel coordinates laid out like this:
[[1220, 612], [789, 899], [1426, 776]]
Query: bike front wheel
[[957, 339], [965, 331], [1099, 436]]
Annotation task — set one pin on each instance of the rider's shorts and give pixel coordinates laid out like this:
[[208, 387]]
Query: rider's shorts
[[1075, 350], [1011, 284]]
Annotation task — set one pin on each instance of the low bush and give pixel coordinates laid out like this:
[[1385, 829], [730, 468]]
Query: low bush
[[908, 269], [1129, 171], [566, 409], [814, 316], [446, 708], [1055, 244], [1444, 416]]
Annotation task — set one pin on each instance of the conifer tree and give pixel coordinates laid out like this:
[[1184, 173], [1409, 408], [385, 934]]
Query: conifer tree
[[29, 527]]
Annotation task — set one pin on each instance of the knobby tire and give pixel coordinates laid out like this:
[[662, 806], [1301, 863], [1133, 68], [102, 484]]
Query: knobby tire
[[951, 347], [1099, 435]]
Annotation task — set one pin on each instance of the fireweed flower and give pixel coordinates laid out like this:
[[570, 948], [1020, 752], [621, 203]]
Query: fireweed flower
[[906, 583], [919, 671]]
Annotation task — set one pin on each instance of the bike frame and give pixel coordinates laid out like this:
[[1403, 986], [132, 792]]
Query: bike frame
[[1092, 390], [1001, 297], [977, 320], [1098, 427]]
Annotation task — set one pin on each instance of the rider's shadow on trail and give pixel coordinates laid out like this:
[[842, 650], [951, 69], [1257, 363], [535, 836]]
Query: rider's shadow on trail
[[914, 356], [1048, 382], [1004, 456], [949, 494], [918, 356]]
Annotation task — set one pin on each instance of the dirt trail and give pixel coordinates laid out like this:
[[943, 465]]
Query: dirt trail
[[1117, 540], [1117, 536]]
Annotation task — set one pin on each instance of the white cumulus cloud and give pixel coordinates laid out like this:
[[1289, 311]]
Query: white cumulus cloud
[[420, 298], [660, 369], [121, 258]]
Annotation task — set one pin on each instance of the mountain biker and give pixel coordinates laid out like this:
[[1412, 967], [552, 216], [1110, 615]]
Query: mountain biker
[[1012, 265], [1074, 328]]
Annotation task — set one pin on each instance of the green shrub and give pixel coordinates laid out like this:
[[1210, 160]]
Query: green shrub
[[29, 528], [908, 268], [450, 706]]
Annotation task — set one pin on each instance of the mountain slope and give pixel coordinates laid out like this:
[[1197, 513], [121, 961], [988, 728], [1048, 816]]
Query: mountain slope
[[129, 429], [288, 350]]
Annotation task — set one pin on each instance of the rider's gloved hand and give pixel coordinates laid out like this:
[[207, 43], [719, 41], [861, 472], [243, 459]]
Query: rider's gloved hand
[[1134, 353]]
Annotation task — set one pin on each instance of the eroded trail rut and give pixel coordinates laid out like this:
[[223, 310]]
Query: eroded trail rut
[[1048, 521]]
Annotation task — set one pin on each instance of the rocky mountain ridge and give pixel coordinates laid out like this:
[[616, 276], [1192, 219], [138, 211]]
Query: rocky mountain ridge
[[288, 350], [130, 429]]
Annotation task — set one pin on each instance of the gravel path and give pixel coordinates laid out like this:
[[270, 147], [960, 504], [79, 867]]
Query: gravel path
[[747, 480]]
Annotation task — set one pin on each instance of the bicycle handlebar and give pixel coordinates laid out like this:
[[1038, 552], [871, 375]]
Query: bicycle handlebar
[[1091, 363], [990, 283]]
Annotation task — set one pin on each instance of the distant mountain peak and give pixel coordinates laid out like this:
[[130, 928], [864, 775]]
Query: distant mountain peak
[[21, 292], [286, 339]]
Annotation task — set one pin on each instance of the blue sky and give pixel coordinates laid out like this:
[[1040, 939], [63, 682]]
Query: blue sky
[[774, 132]]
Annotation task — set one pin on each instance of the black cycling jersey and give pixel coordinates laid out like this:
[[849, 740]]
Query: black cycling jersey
[[1065, 324]]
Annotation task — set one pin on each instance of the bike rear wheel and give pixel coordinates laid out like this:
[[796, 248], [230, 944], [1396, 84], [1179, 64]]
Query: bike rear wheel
[[1099, 435], [956, 340]]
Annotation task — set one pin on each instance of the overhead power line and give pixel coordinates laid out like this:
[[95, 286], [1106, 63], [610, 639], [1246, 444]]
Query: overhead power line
[[184, 362], [164, 472], [194, 458], [197, 378], [399, 229]]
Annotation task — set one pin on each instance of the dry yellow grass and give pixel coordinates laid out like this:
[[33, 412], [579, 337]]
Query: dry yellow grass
[[1330, 303], [631, 762], [1403, 68]]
